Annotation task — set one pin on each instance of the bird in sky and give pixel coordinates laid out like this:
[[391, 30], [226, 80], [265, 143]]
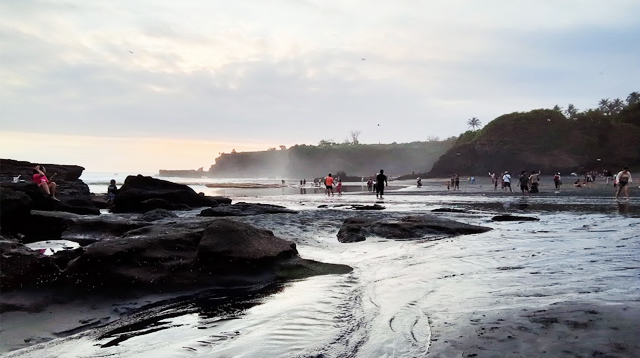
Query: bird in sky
[[131, 51], [364, 59]]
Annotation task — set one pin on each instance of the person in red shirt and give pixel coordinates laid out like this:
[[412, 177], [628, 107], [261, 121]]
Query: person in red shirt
[[40, 178]]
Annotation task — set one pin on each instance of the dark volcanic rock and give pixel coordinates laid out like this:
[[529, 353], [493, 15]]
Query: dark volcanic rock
[[63, 257], [170, 256], [79, 228], [246, 209], [513, 218], [21, 267], [408, 227], [448, 210], [74, 197], [12, 168], [15, 209], [157, 214], [368, 207], [134, 194]]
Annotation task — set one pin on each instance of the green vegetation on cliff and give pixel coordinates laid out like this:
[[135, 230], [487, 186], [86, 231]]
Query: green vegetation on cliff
[[547, 140], [308, 161]]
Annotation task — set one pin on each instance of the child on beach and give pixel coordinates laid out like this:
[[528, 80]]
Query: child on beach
[[557, 181], [111, 191], [339, 187]]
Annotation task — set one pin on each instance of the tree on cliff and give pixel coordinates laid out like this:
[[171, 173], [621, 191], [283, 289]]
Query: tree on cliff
[[604, 104], [571, 110], [326, 143], [474, 123], [354, 137], [557, 108], [633, 98]]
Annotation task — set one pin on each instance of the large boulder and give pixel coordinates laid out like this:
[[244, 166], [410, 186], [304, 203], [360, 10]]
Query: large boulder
[[140, 193], [405, 228], [15, 209], [21, 267], [12, 168], [157, 214], [245, 209], [74, 197], [187, 253]]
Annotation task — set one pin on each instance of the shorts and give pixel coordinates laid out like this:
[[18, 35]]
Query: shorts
[[380, 189], [507, 184], [329, 187], [524, 187], [622, 183]]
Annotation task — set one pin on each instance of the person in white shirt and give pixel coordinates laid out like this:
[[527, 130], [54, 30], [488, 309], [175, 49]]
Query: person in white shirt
[[506, 178], [623, 179]]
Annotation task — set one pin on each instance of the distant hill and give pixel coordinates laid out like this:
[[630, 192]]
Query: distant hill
[[546, 140], [310, 161]]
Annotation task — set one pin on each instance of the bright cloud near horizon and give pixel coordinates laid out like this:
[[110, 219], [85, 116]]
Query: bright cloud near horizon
[[145, 85]]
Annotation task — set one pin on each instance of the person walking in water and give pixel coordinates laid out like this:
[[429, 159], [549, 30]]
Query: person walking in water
[[456, 182], [624, 179], [339, 187], [328, 182], [381, 182], [506, 179], [534, 179], [557, 180], [524, 183]]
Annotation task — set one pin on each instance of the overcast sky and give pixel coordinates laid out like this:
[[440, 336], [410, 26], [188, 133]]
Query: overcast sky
[[142, 85]]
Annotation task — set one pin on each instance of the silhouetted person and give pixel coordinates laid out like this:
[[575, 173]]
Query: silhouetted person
[[381, 180]]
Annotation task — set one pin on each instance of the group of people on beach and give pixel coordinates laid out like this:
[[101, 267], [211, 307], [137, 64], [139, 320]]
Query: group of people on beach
[[377, 186]]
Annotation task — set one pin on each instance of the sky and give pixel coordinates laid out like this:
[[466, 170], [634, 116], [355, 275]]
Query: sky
[[147, 85]]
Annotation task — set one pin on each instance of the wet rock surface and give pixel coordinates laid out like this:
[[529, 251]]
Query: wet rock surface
[[245, 209], [514, 218], [142, 193], [404, 228], [21, 267], [157, 214]]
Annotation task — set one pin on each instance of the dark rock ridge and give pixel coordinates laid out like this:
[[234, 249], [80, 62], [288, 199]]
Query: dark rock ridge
[[142, 193], [165, 256], [550, 143], [246, 209], [178, 255], [448, 210], [22, 267], [10, 168], [405, 228], [513, 218], [157, 214]]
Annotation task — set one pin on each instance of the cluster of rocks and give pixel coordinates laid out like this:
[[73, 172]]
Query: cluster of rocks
[[404, 228], [156, 251]]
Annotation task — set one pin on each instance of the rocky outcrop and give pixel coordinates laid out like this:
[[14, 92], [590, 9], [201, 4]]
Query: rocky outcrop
[[171, 256], [405, 228], [245, 209], [21, 267], [157, 214], [12, 168], [15, 209], [513, 218], [141, 193]]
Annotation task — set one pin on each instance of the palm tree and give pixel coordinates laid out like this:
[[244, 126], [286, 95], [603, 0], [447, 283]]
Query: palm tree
[[604, 105], [571, 110], [617, 105], [557, 108], [473, 123], [633, 98]]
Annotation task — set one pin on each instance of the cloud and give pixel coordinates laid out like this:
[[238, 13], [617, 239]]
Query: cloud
[[291, 71]]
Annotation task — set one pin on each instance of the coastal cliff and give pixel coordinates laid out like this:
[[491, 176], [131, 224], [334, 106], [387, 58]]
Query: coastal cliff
[[546, 140], [316, 161]]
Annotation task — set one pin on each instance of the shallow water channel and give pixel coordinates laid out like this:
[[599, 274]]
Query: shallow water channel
[[409, 298]]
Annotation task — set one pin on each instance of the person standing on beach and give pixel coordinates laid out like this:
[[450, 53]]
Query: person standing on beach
[[456, 182], [624, 179], [381, 180], [328, 182], [534, 179], [524, 183], [506, 179], [557, 180]]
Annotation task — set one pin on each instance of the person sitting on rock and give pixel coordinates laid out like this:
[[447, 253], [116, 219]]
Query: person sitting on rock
[[111, 191], [40, 178]]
